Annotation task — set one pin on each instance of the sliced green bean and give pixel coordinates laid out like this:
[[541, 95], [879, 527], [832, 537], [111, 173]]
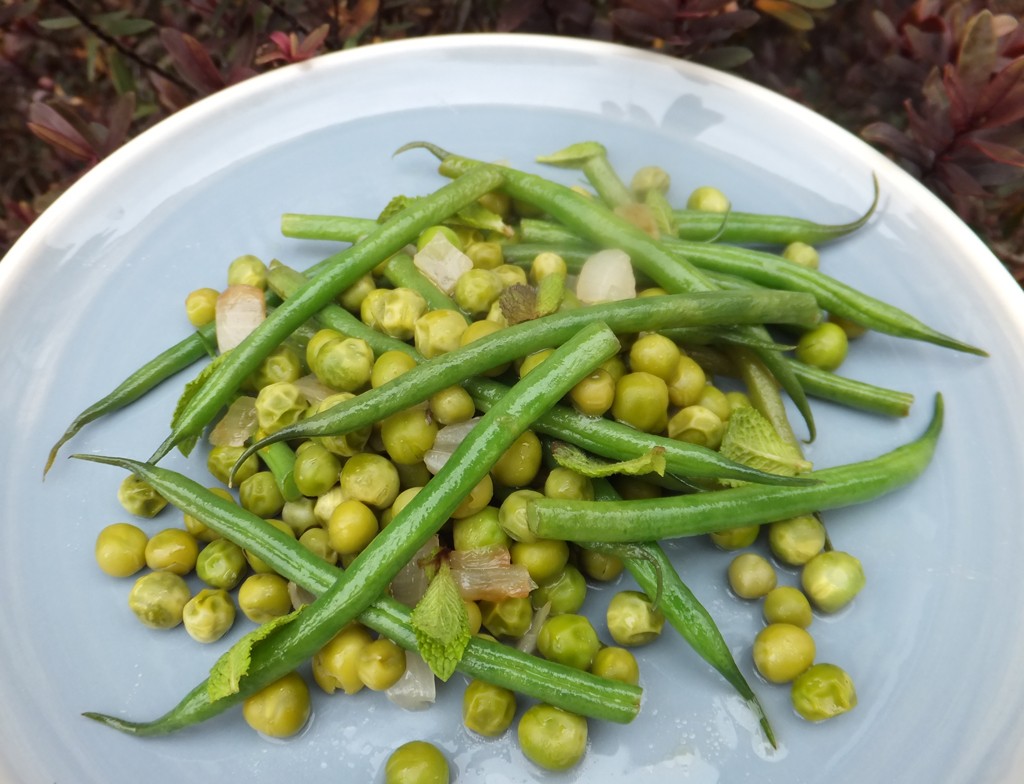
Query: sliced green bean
[[341, 271], [326, 227], [401, 272], [280, 459], [495, 349], [702, 513], [286, 646], [499, 664], [595, 223]]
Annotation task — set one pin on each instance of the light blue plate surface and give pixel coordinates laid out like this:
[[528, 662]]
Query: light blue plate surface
[[96, 287]]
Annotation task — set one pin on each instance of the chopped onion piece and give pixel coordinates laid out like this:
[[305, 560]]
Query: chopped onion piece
[[313, 389], [416, 689], [607, 276], [239, 310], [447, 441], [237, 424], [488, 574], [411, 581], [442, 262], [300, 596], [528, 642]]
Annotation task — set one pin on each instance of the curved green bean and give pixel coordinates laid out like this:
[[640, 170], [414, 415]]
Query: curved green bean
[[700, 513]]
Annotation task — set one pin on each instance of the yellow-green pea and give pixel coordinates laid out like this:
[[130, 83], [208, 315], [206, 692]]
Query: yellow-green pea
[[543, 558], [737, 400], [617, 664], [397, 311], [797, 540], [852, 329], [603, 567], [473, 616], [480, 529], [782, 651], [416, 762], [512, 514], [802, 254], [139, 498], [371, 479], [482, 328], [352, 298], [563, 593], [823, 347], [568, 639], [278, 405], [201, 306], [507, 618], [158, 598], [261, 495], [381, 664], [511, 275], [408, 435], [697, 425], [633, 619], [256, 563], [687, 382], [347, 444], [635, 488], [247, 270], [552, 738], [300, 515], [479, 497], [452, 405], [751, 576], [707, 199], [351, 527], [568, 484], [208, 615], [336, 665], [615, 367], [786, 604], [545, 264], [315, 471], [594, 394], [476, 290], [714, 399], [317, 541], [281, 364], [485, 255], [832, 579], [121, 549], [429, 233], [263, 597], [823, 691], [531, 361], [172, 550], [221, 564], [221, 459], [641, 401], [199, 529], [487, 709], [281, 709], [735, 538], [656, 354], [437, 332], [389, 366], [519, 464]]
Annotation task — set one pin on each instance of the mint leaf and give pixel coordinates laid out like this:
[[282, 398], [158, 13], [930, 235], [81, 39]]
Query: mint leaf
[[233, 665], [574, 458], [751, 440], [441, 624]]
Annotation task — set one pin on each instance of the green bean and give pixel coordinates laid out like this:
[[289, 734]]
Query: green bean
[[342, 270], [289, 644], [595, 223], [280, 459], [326, 227], [720, 510], [763, 392], [601, 436], [496, 663], [490, 351], [746, 228], [657, 577]]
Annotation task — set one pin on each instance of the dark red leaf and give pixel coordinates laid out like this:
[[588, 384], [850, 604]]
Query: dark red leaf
[[312, 42], [1003, 153], [976, 59], [885, 135], [55, 129], [959, 102], [120, 121], [1002, 100], [958, 180], [192, 61], [933, 132], [514, 15]]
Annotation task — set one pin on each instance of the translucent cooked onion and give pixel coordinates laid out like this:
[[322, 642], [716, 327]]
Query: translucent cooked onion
[[442, 262], [447, 441], [313, 389], [607, 276], [528, 642], [411, 581], [239, 310], [416, 689], [237, 425], [488, 574]]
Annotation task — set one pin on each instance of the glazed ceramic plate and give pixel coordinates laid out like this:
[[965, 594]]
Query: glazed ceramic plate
[[96, 287]]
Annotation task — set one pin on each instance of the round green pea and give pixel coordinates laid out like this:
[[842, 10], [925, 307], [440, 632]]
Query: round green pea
[[139, 498], [487, 709], [552, 738], [633, 619], [416, 762], [158, 599], [260, 494], [822, 692], [568, 639], [221, 564], [563, 593], [316, 470], [823, 347], [121, 549], [208, 615]]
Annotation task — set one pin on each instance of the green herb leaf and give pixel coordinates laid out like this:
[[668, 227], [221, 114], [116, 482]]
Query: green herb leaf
[[186, 446], [476, 216], [227, 672], [574, 458], [441, 624], [573, 156], [751, 440], [395, 206]]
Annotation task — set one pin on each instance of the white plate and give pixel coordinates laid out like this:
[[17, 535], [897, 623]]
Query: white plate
[[96, 287]]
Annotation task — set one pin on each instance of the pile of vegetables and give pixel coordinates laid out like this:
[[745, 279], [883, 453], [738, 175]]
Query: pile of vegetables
[[430, 442]]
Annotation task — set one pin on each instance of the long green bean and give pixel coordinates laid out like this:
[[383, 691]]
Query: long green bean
[[289, 644], [720, 510], [502, 665]]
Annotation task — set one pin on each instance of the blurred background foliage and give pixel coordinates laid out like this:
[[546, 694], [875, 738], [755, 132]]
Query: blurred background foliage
[[938, 85]]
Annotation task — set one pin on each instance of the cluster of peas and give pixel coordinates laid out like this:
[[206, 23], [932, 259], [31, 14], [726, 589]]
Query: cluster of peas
[[348, 487]]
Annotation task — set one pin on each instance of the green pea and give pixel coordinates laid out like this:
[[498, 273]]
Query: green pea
[[797, 540], [751, 576], [707, 199], [247, 270], [543, 558], [281, 364], [336, 664], [485, 255], [618, 664], [595, 394], [547, 264], [278, 405], [222, 564], [533, 360], [656, 354], [476, 290], [782, 651], [394, 312], [138, 498], [802, 254], [201, 306], [352, 526], [437, 332], [371, 479], [389, 366], [121, 549], [300, 515], [482, 529], [568, 639], [260, 494], [736, 538], [352, 298], [641, 401], [158, 599], [221, 459], [263, 597], [832, 579], [208, 615], [452, 405], [687, 382], [381, 664], [603, 567], [563, 593], [512, 514], [714, 399], [823, 347], [786, 604], [172, 550], [568, 484], [344, 364], [347, 444], [487, 709], [317, 541], [697, 425], [633, 619], [281, 709], [511, 275], [416, 762], [316, 470], [823, 691], [507, 618], [408, 435], [428, 234], [551, 737], [519, 465]]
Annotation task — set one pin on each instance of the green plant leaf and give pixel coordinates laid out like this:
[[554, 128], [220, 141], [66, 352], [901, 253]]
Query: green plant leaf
[[59, 23], [575, 459], [233, 665], [441, 624], [751, 440]]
